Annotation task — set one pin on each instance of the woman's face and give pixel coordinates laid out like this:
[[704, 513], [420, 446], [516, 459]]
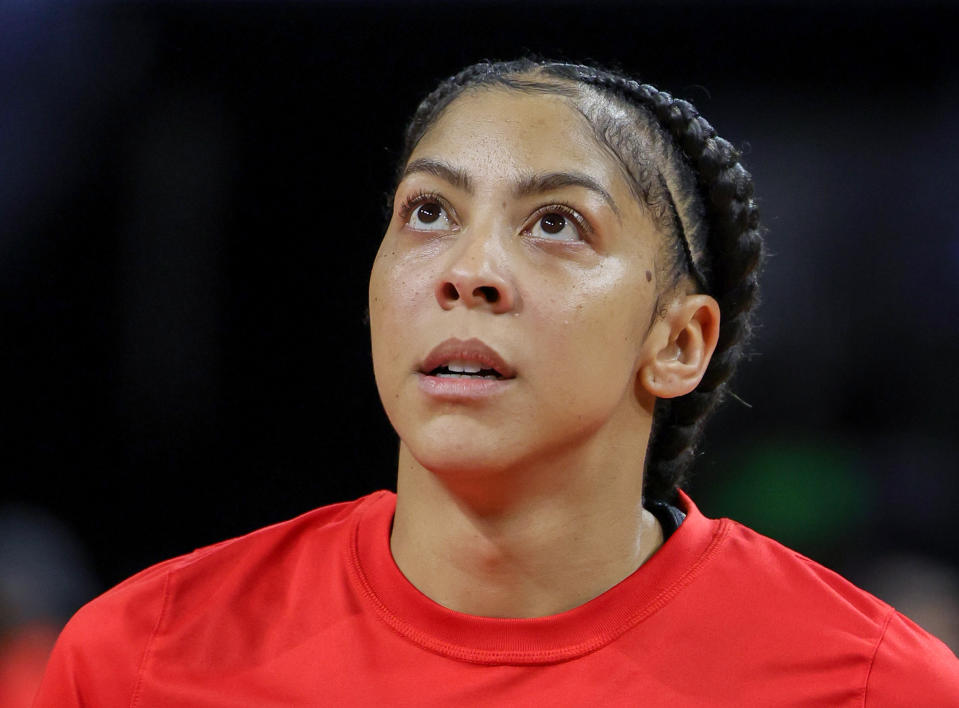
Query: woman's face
[[513, 289]]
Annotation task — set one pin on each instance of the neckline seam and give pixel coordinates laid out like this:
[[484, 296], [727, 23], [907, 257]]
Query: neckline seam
[[515, 657]]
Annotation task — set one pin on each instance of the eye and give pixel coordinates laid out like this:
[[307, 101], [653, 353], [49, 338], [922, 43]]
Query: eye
[[428, 215], [558, 224]]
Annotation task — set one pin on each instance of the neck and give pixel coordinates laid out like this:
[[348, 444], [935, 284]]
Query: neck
[[523, 542]]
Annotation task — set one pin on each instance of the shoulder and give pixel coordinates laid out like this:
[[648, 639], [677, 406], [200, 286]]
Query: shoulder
[[258, 554], [99, 654], [803, 583], [911, 667], [806, 611], [759, 576]]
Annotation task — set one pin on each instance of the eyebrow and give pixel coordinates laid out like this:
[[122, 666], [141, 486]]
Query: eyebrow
[[530, 184], [534, 184], [445, 171]]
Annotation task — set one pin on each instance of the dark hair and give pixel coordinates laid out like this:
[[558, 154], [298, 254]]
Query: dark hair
[[697, 191]]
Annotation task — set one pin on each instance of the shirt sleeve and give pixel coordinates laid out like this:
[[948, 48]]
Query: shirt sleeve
[[98, 658], [911, 668]]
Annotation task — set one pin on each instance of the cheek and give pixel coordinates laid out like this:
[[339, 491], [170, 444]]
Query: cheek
[[382, 315], [401, 276], [397, 289], [605, 307], [595, 329]]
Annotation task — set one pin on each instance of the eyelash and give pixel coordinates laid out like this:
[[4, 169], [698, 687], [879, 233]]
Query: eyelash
[[422, 197], [566, 210], [417, 198]]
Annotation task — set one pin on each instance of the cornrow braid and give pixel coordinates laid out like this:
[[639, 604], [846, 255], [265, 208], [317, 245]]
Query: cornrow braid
[[729, 271], [705, 197]]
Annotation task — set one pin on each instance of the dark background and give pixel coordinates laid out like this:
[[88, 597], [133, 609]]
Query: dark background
[[191, 196]]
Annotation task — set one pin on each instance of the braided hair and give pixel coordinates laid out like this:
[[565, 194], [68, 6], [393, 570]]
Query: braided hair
[[696, 190]]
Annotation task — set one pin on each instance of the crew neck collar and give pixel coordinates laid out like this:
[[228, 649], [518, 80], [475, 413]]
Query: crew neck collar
[[523, 641]]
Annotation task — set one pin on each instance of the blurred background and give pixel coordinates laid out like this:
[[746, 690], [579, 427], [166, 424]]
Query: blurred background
[[191, 195]]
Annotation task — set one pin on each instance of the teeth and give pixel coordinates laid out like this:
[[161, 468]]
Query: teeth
[[460, 369], [464, 367]]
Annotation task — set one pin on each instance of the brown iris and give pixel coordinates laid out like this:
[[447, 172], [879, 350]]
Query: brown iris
[[429, 212], [553, 223]]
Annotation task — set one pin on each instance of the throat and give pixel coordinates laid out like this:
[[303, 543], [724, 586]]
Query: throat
[[527, 566]]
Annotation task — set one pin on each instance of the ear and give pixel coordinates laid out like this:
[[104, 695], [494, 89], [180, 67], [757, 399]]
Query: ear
[[679, 345]]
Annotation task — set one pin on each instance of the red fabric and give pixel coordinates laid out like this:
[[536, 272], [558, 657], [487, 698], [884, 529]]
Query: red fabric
[[314, 612], [23, 656]]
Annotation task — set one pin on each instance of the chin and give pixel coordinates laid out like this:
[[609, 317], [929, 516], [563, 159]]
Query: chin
[[471, 461], [461, 454]]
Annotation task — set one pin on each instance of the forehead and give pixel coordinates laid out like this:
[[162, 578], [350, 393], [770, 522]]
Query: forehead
[[498, 130]]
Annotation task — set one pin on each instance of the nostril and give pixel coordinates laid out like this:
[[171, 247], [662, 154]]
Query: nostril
[[488, 293], [449, 292]]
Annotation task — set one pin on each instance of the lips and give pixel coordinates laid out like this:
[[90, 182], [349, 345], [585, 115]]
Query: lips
[[471, 358]]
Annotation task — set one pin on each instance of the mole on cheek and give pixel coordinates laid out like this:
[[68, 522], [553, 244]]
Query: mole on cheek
[[649, 276]]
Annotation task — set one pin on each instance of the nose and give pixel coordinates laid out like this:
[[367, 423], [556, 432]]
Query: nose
[[476, 276]]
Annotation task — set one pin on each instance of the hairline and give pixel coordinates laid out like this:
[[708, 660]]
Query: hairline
[[580, 96]]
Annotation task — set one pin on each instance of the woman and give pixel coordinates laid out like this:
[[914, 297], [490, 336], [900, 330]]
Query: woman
[[563, 291]]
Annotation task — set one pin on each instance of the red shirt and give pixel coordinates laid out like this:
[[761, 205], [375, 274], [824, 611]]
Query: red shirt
[[314, 611]]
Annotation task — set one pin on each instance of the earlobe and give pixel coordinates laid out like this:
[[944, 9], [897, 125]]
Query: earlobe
[[681, 344]]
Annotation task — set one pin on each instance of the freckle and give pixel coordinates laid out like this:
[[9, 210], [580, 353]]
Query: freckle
[[649, 276]]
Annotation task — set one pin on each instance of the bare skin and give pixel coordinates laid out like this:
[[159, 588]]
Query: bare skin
[[520, 495]]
